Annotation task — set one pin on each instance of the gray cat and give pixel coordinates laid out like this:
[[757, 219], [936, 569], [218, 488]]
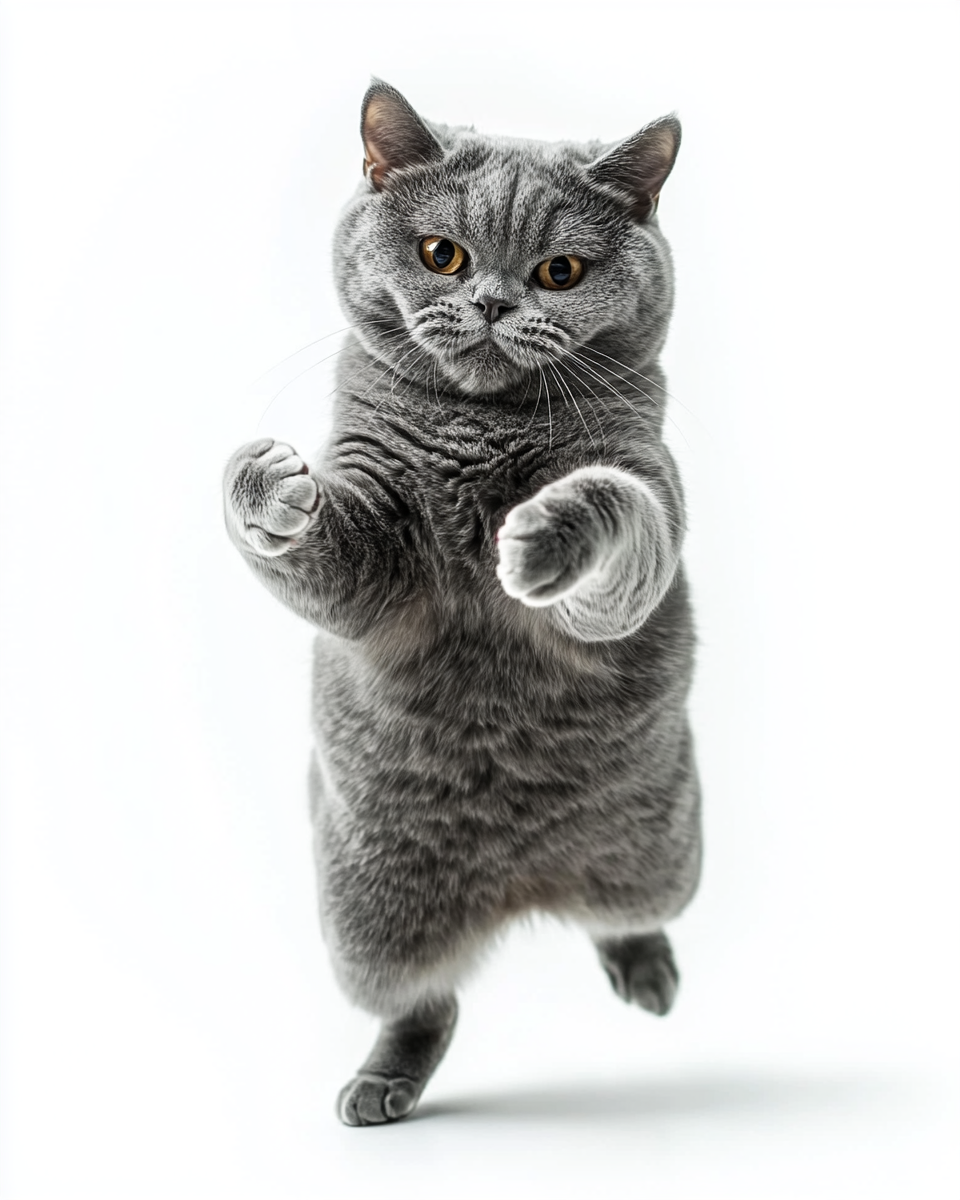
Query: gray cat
[[490, 551]]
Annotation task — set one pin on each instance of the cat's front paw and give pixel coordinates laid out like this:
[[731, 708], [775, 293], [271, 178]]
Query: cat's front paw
[[269, 496], [548, 546]]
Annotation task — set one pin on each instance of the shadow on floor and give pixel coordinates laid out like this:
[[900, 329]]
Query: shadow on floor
[[692, 1095]]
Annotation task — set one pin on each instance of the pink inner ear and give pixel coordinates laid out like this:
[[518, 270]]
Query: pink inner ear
[[370, 166], [373, 166], [393, 137], [373, 120], [639, 166], [377, 137]]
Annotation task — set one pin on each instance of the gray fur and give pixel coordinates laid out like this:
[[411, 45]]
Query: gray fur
[[500, 724]]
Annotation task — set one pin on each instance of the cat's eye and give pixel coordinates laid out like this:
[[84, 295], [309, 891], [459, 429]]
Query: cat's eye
[[442, 255], [560, 272]]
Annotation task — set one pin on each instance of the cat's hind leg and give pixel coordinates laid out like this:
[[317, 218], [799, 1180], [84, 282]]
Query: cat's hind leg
[[407, 1052], [641, 968]]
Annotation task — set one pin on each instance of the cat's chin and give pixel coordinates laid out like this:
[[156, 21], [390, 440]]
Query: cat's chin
[[483, 371]]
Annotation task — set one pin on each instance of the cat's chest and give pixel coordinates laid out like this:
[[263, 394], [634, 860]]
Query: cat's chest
[[447, 483], [461, 489]]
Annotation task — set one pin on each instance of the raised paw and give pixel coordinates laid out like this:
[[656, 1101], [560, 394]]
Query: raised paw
[[642, 970], [270, 498], [548, 546], [374, 1100]]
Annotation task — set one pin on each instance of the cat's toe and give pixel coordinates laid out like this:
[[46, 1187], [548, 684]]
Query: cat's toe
[[653, 986], [371, 1100], [300, 491]]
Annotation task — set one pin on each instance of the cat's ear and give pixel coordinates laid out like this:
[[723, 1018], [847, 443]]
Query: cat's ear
[[639, 166], [393, 135]]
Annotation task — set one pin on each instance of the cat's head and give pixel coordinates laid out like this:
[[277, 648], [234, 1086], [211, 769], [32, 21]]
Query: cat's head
[[483, 259]]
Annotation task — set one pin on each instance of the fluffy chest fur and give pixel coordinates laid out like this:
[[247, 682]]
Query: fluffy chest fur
[[462, 722]]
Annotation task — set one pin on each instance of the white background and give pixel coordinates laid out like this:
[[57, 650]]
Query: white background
[[171, 177]]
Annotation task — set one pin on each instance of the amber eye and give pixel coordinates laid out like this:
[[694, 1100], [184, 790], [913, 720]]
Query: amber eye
[[560, 272], [442, 255]]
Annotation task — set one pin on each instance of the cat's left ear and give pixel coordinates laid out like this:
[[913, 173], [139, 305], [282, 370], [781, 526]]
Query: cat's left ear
[[393, 135], [639, 166]]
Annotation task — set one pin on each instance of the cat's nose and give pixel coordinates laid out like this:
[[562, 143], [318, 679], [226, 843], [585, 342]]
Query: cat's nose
[[493, 308]]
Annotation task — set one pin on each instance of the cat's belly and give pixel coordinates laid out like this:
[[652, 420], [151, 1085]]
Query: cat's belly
[[458, 788]]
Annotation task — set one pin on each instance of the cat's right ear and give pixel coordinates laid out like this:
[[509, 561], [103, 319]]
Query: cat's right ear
[[393, 135]]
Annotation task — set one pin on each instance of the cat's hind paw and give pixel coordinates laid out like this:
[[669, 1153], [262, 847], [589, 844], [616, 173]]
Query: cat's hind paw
[[375, 1100], [270, 497], [642, 970]]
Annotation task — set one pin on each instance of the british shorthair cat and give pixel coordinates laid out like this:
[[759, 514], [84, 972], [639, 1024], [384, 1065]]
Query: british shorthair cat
[[489, 549]]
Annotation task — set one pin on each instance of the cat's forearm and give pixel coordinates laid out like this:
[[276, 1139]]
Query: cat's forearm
[[321, 546], [338, 577], [597, 549]]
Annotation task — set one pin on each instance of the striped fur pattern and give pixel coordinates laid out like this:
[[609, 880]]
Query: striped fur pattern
[[489, 549]]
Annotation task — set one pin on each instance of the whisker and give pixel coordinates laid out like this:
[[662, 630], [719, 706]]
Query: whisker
[[606, 383], [536, 407], [526, 392], [563, 384], [396, 371], [436, 390], [645, 378], [312, 367], [625, 367], [386, 371], [546, 388], [333, 391], [629, 382], [305, 371], [592, 395], [584, 365], [317, 341]]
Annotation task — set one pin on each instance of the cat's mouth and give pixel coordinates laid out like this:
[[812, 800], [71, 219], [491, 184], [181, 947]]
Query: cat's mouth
[[493, 360], [483, 347], [482, 366], [509, 351]]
